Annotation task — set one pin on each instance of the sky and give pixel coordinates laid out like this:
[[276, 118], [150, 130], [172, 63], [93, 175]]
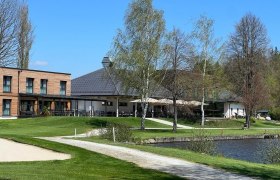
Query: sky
[[73, 36]]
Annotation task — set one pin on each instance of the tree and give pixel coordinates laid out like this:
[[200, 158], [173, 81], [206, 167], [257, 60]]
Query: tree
[[178, 53], [207, 49], [247, 50], [24, 38], [8, 30], [137, 49]]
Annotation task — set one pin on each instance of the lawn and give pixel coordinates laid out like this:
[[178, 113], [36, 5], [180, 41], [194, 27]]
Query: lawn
[[58, 126], [89, 165], [83, 165], [227, 123]]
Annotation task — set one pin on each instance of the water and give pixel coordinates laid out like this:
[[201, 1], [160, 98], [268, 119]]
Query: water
[[252, 150]]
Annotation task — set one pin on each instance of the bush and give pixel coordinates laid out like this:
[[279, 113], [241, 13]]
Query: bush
[[275, 113], [252, 120], [122, 132], [201, 142], [45, 111]]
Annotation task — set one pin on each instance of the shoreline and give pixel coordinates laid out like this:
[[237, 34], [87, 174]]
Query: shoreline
[[213, 138]]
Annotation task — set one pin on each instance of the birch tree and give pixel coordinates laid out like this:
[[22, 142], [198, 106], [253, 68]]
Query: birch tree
[[24, 37], [178, 53], [137, 48], [206, 49]]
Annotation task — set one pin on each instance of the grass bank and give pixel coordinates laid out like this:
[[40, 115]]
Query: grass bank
[[59, 126], [162, 133], [227, 123]]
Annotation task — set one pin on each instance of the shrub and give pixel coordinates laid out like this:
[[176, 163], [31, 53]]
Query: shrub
[[275, 113], [45, 111], [201, 142], [122, 132], [252, 119]]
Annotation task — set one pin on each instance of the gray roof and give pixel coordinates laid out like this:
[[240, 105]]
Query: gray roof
[[101, 83], [97, 83]]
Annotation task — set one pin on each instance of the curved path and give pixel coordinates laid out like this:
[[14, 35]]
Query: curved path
[[169, 123], [152, 161]]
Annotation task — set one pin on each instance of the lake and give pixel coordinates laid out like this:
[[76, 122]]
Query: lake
[[252, 150]]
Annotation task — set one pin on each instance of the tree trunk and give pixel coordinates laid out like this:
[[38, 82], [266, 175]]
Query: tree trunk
[[202, 110], [247, 121], [247, 118], [175, 115], [144, 107]]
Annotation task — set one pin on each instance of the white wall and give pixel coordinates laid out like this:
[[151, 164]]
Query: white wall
[[230, 109]]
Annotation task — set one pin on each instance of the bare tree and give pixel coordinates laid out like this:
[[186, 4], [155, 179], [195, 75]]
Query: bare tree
[[178, 52], [207, 49], [136, 50], [247, 50], [8, 31], [25, 37]]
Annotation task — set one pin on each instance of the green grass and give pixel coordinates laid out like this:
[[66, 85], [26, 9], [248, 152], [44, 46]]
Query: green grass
[[161, 133], [83, 165], [227, 123], [263, 171], [58, 126], [89, 165]]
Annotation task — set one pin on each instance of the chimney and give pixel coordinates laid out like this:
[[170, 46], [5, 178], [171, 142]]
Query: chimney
[[106, 62]]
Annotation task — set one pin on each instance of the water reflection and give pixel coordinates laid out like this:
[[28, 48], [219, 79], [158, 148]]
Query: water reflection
[[253, 150]]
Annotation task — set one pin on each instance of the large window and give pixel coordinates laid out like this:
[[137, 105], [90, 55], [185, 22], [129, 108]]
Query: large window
[[107, 103], [62, 87], [43, 86], [7, 81], [6, 107], [29, 85]]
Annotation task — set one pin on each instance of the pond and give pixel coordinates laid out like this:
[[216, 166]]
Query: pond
[[253, 150]]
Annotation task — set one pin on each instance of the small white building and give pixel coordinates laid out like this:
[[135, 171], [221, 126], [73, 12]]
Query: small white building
[[233, 109]]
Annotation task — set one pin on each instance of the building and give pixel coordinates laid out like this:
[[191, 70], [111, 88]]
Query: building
[[110, 96], [27, 92]]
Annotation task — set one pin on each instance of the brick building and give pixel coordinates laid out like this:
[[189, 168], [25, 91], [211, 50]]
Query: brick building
[[27, 92]]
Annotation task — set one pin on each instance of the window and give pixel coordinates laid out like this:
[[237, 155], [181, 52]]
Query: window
[[107, 103], [27, 106], [122, 103], [43, 86], [62, 87], [6, 107], [7, 81], [29, 85]]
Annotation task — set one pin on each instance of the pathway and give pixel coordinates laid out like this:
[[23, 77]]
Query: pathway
[[152, 161], [169, 123]]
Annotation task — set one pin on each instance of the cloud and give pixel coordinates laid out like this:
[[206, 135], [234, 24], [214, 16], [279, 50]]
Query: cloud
[[40, 63]]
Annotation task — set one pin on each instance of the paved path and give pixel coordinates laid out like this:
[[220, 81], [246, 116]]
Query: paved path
[[169, 123], [153, 161]]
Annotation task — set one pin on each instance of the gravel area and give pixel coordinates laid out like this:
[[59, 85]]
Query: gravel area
[[147, 160]]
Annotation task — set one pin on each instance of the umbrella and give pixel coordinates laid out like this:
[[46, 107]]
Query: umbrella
[[182, 102], [149, 100], [165, 101]]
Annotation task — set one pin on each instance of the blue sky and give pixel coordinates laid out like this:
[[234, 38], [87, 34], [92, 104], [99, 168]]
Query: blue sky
[[74, 35]]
